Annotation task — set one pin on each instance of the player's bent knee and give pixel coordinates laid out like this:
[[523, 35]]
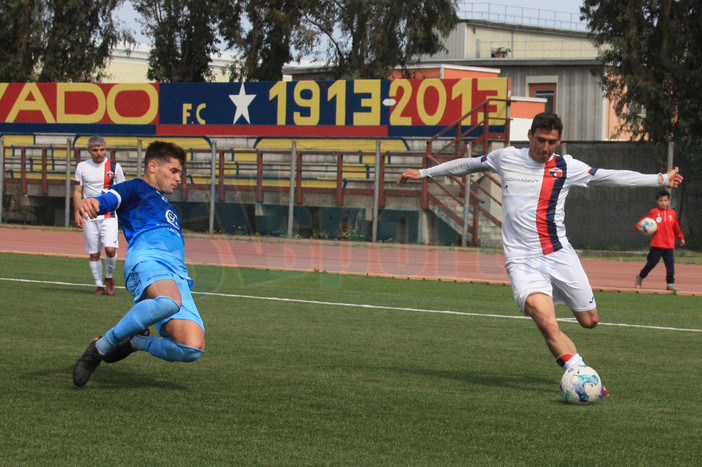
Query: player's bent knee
[[185, 353], [164, 307], [588, 321]]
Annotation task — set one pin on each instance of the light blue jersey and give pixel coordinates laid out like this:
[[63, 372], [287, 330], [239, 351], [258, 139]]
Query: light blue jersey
[[156, 250], [151, 225]]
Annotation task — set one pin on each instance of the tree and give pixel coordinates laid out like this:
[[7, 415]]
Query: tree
[[184, 39], [367, 38], [57, 40], [79, 39], [356, 38], [273, 31], [653, 64], [20, 39]]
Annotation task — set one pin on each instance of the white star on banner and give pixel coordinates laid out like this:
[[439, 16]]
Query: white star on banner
[[242, 101]]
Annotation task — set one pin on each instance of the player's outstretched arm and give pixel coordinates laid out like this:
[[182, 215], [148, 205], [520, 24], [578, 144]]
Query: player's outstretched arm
[[409, 174], [89, 208], [631, 179], [674, 178]]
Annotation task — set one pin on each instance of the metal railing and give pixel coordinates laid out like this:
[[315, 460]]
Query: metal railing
[[218, 172], [537, 49], [299, 173], [511, 14], [485, 127]]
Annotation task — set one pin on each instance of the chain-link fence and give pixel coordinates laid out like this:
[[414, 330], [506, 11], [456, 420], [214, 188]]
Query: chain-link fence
[[688, 199], [599, 218], [603, 218]]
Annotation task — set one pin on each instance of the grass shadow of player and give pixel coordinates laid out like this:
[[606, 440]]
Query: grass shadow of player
[[521, 382], [112, 377]]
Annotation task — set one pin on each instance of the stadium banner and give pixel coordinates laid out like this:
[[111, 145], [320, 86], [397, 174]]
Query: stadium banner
[[343, 108]]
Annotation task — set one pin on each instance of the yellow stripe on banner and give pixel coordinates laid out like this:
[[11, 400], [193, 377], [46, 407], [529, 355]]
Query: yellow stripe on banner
[[245, 155], [131, 141], [275, 182], [18, 140], [231, 169], [356, 171], [333, 144], [36, 175], [53, 153]]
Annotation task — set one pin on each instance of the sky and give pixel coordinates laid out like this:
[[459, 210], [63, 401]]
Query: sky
[[128, 16]]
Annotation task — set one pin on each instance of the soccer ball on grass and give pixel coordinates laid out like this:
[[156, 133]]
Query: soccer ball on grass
[[581, 385], [648, 226]]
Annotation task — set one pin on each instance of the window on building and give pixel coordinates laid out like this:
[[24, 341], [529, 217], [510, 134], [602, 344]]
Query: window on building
[[545, 91]]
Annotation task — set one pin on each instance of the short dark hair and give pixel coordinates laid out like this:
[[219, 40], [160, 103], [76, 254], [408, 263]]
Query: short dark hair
[[662, 193], [162, 151], [547, 121]]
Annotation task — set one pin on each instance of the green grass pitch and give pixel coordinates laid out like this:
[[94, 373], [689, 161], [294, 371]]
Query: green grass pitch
[[342, 371]]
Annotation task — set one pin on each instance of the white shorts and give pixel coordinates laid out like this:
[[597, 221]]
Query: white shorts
[[559, 275], [100, 233]]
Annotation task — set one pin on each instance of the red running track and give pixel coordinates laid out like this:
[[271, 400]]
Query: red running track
[[382, 260]]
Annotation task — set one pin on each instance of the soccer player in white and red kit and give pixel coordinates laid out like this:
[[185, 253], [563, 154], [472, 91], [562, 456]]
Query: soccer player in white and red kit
[[543, 267], [94, 177]]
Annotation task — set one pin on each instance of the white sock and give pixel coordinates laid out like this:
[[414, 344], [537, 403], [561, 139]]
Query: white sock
[[575, 360], [110, 265], [96, 269]]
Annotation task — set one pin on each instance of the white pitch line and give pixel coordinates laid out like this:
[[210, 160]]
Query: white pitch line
[[374, 307], [361, 305]]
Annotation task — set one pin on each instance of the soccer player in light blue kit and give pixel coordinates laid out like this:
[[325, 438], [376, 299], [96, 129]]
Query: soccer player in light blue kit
[[154, 270]]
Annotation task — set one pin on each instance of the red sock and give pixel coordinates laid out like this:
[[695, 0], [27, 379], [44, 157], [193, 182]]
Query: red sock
[[568, 361], [563, 359]]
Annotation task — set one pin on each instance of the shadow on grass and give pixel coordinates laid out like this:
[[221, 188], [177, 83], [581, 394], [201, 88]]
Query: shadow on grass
[[107, 377], [521, 381]]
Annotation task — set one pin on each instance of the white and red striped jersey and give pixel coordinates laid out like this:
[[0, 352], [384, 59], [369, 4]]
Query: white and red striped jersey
[[96, 179], [534, 194]]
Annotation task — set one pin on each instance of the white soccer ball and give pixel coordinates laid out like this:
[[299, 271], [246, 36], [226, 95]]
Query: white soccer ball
[[648, 226], [581, 385]]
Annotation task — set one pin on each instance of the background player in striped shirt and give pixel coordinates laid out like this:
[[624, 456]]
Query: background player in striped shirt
[[543, 267], [93, 177]]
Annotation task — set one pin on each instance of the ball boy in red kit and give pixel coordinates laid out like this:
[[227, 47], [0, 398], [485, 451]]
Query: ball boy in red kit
[[663, 241]]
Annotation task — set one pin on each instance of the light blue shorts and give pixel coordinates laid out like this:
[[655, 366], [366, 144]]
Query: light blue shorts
[[146, 273]]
